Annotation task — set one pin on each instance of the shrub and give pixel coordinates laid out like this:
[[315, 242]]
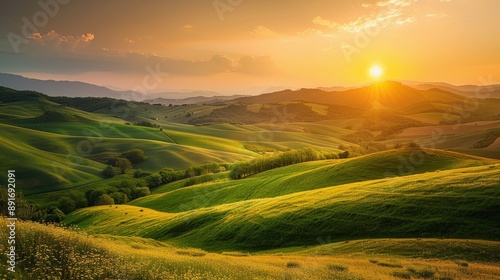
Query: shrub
[[105, 199], [109, 171], [123, 164], [66, 204], [139, 173], [119, 197], [135, 156], [54, 215], [93, 195]]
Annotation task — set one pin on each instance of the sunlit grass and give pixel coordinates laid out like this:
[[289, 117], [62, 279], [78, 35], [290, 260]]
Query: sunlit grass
[[50, 252]]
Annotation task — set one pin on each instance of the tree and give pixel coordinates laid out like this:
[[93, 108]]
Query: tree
[[66, 204], [24, 209], [94, 195], [109, 171], [105, 199], [140, 192], [135, 156], [123, 165], [54, 215], [119, 197], [79, 199], [344, 154], [139, 173]]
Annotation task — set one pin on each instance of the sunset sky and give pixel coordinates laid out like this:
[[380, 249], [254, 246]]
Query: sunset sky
[[234, 45]]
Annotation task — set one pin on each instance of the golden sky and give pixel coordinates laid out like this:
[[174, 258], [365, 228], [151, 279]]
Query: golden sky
[[252, 45]]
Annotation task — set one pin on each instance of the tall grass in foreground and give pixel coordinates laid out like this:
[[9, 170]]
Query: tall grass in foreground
[[51, 252]]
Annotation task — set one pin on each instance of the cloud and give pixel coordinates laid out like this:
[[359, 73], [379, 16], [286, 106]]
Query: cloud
[[324, 22], [399, 3], [56, 53], [188, 26], [49, 59], [54, 41], [87, 37], [255, 65], [381, 14], [263, 31]]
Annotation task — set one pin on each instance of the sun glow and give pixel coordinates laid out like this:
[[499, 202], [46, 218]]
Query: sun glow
[[376, 72]]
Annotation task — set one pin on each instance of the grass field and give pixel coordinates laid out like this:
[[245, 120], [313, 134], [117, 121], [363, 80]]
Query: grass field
[[307, 176], [73, 255], [406, 213], [453, 203]]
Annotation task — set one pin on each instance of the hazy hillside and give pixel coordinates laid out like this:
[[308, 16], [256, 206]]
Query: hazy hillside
[[60, 88]]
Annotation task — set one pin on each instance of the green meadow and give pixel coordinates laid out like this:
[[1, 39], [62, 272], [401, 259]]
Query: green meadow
[[411, 197]]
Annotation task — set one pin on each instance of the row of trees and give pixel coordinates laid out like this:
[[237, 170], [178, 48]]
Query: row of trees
[[119, 193], [261, 164], [169, 175]]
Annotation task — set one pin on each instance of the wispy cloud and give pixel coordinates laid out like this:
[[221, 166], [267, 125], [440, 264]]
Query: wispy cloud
[[398, 3], [381, 14], [55, 41], [263, 31]]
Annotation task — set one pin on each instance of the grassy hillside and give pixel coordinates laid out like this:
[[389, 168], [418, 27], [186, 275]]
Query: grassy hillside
[[50, 161], [307, 176], [43, 162], [456, 203], [73, 255]]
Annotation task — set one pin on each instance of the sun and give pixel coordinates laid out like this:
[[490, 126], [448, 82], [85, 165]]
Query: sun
[[376, 71]]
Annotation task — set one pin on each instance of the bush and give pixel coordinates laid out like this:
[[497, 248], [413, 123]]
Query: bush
[[79, 199], [109, 171], [66, 204], [105, 199], [198, 180], [139, 173], [140, 192], [123, 165], [93, 195], [54, 215], [135, 156], [119, 197]]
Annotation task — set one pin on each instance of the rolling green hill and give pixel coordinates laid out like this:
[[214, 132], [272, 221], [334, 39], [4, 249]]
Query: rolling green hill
[[460, 203], [308, 176]]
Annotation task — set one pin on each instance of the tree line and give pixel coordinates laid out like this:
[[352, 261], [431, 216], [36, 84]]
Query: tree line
[[244, 169]]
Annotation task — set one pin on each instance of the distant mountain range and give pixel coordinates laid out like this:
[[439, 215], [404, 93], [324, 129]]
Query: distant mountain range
[[59, 88], [81, 89], [193, 100], [487, 91], [393, 95]]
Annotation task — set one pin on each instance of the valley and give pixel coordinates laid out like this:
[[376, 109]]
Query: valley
[[400, 184]]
